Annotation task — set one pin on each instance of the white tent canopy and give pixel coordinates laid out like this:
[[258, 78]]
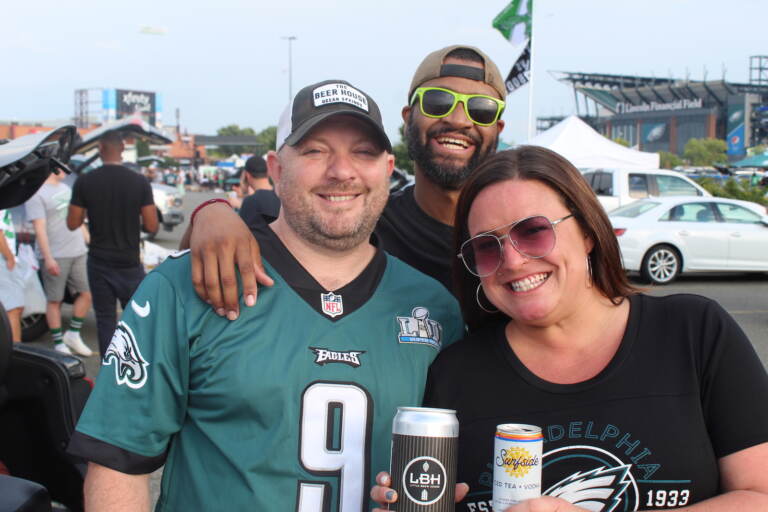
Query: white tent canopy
[[584, 147]]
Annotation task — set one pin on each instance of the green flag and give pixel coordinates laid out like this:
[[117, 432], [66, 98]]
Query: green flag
[[514, 21]]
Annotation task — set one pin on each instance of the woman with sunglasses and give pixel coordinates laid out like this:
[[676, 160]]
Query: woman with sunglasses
[[645, 402]]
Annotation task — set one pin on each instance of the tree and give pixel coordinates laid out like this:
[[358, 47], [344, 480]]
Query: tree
[[234, 130], [736, 189], [142, 148], [400, 150], [622, 141], [669, 160], [705, 151], [267, 139]]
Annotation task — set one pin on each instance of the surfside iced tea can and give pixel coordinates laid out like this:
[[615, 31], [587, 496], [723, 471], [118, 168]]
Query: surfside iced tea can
[[517, 451], [423, 463]]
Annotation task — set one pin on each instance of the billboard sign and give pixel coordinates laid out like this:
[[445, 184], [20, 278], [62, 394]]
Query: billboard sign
[[129, 103], [655, 133], [735, 130]]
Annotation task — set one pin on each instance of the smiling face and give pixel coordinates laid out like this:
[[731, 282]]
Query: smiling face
[[535, 291], [448, 149], [334, 183]]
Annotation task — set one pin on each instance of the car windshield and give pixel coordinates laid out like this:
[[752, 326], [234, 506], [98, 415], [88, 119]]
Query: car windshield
[[635, 209]]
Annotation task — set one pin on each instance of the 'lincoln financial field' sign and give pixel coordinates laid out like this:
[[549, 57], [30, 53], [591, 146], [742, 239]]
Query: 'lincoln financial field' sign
[[628, 108]]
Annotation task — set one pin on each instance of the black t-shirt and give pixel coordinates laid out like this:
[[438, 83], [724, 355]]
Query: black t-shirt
[[113, 196], [423, 242], [260, 203], [404, 231], [684, 389]]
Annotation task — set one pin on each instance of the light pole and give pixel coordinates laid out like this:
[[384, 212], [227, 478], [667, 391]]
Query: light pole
[[290, 39]]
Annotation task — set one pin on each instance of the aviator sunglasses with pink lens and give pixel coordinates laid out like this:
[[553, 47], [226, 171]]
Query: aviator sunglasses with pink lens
[[533, 237]]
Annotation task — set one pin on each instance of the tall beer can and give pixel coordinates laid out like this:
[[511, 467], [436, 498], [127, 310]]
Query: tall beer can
[[516, 464], [423, 463]]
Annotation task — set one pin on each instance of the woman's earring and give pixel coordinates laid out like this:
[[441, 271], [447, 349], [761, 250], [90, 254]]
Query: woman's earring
[[477, 298], [589, 271]]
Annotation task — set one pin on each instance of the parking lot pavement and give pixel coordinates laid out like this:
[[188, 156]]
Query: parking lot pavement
[[744, 296]]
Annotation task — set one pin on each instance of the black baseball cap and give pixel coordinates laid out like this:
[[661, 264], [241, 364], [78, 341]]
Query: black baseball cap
[[317, 102]]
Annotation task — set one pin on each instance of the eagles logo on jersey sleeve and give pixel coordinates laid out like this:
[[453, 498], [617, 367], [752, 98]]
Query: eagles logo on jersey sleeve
[[124, 354]]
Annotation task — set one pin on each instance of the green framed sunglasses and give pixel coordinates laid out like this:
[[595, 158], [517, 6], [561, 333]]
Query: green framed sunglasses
[[436, 102]]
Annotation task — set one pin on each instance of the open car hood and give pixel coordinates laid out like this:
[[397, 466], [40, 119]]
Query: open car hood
[[128, 126], [26, 162]]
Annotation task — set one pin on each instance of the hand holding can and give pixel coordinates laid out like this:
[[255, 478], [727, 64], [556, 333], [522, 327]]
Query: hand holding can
[[517, 456], [423, 463]]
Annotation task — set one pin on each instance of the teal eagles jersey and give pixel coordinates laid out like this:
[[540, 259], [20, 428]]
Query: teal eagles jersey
[[282, 409]]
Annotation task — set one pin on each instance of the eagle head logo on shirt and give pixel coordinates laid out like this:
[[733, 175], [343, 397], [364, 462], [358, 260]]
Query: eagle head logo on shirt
[[123, 351], [600, 489]]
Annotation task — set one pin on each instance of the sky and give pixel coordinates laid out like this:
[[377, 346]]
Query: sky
[[226, 61]]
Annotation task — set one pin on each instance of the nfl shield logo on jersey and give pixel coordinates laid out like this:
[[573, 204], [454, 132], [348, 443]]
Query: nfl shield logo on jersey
[[332, 304]]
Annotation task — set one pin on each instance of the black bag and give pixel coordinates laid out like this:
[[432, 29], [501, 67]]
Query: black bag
[[45, 392]]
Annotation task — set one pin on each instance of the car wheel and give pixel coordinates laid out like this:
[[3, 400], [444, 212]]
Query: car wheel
[[661, 264], [33, 326]]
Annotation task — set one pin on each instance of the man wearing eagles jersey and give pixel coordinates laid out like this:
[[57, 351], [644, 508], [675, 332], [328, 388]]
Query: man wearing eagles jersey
[[290, 406]]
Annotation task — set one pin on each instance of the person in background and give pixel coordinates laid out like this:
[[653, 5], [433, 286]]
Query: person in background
[[11, 280], [63, 261], [260, 201], [255, 176], [644, 401], [238, 192], [153, 172], [118, 203], [452, 124], [181, 182]]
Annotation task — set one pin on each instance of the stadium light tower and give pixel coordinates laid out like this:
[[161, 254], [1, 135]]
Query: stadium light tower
[[290, 39]]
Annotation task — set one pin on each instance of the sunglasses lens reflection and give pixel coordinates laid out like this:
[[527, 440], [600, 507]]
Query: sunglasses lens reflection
[[484, 255], [533, 238], [482, 110], [437, 103]]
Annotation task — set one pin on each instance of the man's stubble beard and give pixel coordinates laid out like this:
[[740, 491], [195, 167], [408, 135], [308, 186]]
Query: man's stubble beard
[[446, 176], [316, 229]]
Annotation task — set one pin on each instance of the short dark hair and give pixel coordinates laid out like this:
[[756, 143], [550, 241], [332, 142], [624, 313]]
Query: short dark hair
[[466, 54], [111, 138], [256, 167], [547, 167]]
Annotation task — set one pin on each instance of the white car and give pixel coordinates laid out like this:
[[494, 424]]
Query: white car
[[618, 187], [662, 237]]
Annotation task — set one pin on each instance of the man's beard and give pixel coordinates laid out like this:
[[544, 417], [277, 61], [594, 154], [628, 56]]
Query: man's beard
[[446, 175], [323, 231]]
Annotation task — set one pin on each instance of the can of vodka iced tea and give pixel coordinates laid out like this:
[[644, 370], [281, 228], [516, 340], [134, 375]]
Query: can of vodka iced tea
[[423, 463], [516, 464]]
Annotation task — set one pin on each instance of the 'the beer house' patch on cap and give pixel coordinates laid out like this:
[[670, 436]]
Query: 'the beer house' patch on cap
[[335, 93], [317, 102]]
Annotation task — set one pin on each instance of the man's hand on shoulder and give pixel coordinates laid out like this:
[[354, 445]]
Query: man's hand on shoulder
[[219, 240]]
